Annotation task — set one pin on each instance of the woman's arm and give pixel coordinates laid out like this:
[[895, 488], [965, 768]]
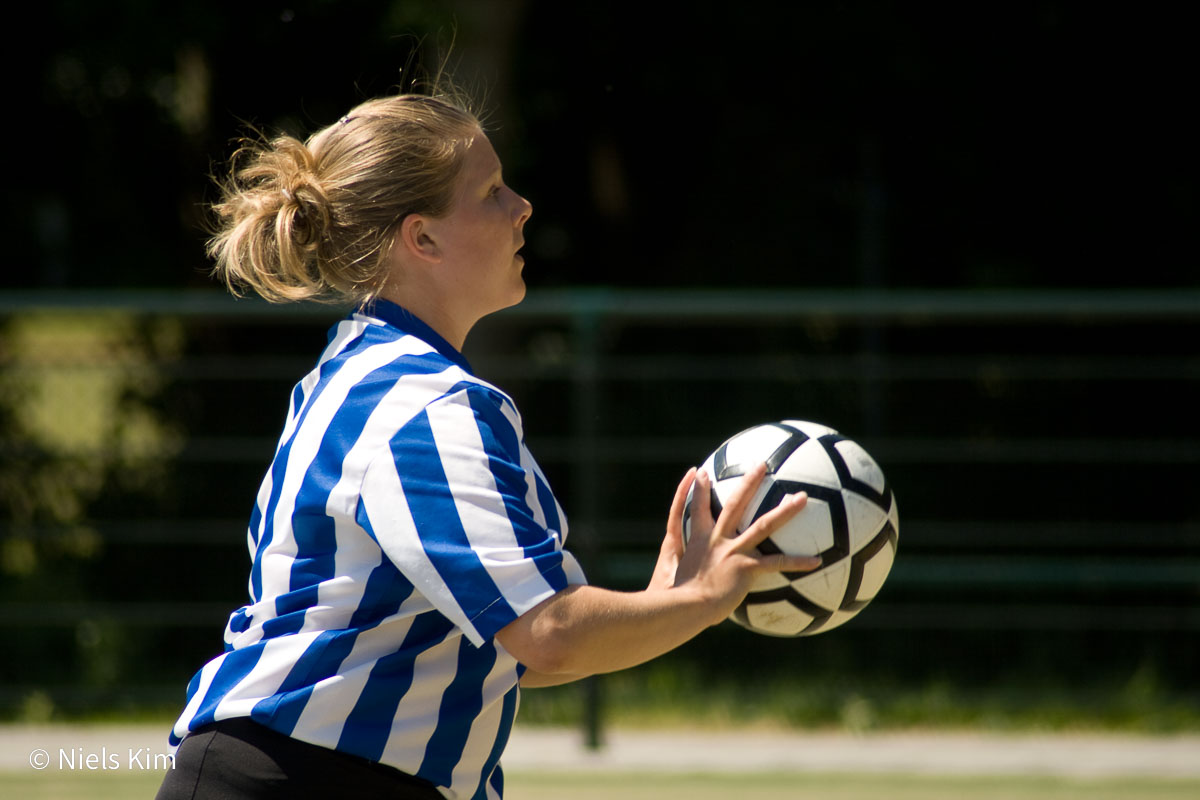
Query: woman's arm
[[585, 630], [531, 679]]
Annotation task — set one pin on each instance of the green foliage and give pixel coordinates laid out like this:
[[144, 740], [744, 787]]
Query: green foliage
[[78, 426], [76, 399]]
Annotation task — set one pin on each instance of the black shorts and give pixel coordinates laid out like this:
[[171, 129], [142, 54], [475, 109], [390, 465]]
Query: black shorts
[[237, 759]]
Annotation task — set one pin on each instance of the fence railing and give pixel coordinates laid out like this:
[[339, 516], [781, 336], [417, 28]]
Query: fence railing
[[1044, 446]]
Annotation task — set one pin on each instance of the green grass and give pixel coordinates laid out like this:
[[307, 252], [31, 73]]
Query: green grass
[[675, 696], [633, 786], [30, 785], [865, 681]]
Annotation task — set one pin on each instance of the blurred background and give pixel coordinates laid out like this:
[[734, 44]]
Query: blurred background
[[964, 236]]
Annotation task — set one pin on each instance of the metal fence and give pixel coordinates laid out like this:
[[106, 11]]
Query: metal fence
[[1044, 448]]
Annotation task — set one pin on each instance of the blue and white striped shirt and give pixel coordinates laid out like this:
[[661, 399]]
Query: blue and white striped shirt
[[402, 523]]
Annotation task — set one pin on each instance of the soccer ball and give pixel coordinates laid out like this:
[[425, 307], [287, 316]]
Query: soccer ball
[[850, 521]]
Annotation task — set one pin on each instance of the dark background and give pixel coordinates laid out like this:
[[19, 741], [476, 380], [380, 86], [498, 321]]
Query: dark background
[[854, 146], [778, 144]]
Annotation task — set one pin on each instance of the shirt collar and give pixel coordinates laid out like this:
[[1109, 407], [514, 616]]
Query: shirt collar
[[407, 322]]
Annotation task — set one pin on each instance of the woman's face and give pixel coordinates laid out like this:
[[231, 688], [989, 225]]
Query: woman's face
[[480, 236]]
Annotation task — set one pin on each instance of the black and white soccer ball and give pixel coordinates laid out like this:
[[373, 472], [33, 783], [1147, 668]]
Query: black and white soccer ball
[[850, 521]]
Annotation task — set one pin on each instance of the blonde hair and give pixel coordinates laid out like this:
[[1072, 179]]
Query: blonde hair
[[314, 220]]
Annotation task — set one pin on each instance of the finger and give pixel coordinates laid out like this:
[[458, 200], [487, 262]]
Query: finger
[[773, 520], [780, 562], [702, 518], [674, 538], [667, 565], [738, 501]]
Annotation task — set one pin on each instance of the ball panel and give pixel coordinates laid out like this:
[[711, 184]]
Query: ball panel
[[829, 623], [768, 548], [770, 443], [810, 463], [838, 523], [875, 572], [864, 518], [848, 479], [827, 586], [769, 582], [787, 595], [809, 533], [860, 465], [780, 618], [874, 563], [814, 430]]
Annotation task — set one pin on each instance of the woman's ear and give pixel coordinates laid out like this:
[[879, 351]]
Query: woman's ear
[[415, 238]]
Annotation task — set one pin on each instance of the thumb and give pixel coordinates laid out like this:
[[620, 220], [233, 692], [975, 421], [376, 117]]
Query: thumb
[[673, 542], [671, 549]]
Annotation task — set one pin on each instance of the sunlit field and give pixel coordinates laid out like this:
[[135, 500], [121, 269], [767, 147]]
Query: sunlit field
[[29, 785], [595, 786], [550, 764]]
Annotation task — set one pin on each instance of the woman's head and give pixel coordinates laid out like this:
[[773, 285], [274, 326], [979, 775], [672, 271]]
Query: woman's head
[[315, 219]]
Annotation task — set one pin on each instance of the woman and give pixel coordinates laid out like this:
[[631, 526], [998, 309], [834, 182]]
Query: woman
[[408, 568]]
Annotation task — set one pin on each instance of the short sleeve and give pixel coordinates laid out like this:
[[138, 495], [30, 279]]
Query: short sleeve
[[462, 511]]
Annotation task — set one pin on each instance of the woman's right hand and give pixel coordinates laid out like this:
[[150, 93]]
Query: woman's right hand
[[719, 561], [584, 630]]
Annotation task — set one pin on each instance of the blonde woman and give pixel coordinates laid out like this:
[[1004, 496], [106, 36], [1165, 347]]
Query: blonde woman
[[408, 570]]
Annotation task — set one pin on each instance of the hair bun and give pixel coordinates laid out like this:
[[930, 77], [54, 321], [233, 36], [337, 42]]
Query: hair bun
[[316, 219], [308, 207]]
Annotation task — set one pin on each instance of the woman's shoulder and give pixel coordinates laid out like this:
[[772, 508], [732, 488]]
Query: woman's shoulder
[[488, 402], [404, 362]]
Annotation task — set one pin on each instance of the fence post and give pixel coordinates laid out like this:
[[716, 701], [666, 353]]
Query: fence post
[[585, 389]]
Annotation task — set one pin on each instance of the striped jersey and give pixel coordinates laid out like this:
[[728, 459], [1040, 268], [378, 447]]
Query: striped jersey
[[401, 524]]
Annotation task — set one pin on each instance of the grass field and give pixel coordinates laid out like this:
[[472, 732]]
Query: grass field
[[28, 785], [665, 693], [696, 764]]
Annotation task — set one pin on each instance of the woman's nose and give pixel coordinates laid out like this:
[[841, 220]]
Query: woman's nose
[[524, 210]]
